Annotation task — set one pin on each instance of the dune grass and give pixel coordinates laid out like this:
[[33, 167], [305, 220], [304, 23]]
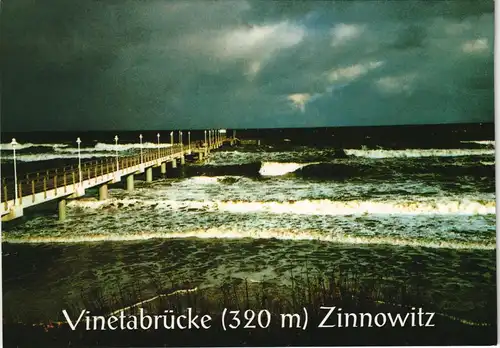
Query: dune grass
[[309, 289]]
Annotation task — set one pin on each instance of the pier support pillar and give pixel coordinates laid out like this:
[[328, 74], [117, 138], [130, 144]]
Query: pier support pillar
[[183, 160], [103, 192], [15, 211], [130, 182], [61, 207], [174, 163], [164, 167], [149, 174], [200, 156]]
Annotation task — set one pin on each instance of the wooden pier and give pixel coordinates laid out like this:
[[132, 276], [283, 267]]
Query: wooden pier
[[71, 182]]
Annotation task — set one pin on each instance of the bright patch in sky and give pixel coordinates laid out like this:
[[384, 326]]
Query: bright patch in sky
[[264, 39], [396, 84], [475, 46], [343, 33], [258, 44], [352, 72], [299, 100]]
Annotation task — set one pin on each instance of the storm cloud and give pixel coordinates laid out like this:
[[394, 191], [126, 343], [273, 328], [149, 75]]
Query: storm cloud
[[103, 65]]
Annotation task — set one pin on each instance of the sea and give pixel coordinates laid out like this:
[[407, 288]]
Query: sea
[[399, 205]]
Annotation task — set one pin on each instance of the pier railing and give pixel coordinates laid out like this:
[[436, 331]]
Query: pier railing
[[57, 180]]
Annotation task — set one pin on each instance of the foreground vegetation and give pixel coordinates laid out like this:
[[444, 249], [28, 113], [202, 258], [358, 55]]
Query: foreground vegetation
[[307, 290]]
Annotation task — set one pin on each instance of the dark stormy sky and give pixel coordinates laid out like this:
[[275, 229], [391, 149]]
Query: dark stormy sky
[[118, 64]]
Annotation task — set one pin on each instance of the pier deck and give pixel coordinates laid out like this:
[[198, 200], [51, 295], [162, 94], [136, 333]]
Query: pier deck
[[72, 181]]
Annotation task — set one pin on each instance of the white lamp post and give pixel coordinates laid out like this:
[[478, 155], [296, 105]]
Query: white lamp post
[[140, 139], [14, 143], [189, 141], [158, 136], [171, 143], [205, 133], [78, 142], [180, 138], [116, 152]]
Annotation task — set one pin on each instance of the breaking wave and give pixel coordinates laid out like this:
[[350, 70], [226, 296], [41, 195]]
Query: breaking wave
[[443, 206], [277, 168], [228, 233], [480, 142], [419, 153], [387, 170], [103, 147], [209, 180], [64, 151], [53, 156], [8, 146]]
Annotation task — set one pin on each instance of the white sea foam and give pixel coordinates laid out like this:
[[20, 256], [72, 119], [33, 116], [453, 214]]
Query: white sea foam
[[20, 146], [481, 142], [52, 156], [419, 153], [230, 233], [104, 147], [277, 168], [203, 180], [440, 206], [63, 151]]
